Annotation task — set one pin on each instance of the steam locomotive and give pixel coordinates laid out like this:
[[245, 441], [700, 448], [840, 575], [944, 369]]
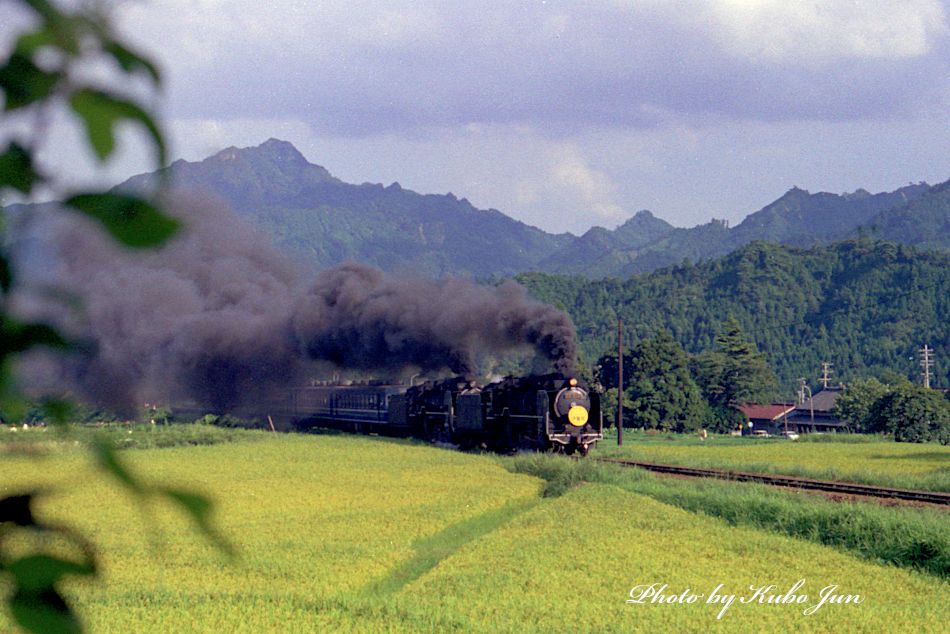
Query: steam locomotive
[[549, 412]]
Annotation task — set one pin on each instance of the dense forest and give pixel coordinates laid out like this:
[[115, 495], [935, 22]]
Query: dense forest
[[865, 306]]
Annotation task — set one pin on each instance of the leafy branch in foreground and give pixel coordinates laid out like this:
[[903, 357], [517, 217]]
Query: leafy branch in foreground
[[41, 73]]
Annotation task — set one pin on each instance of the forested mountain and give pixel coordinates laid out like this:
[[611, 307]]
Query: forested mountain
[[797, 218], [322, 221], [800, 218], [601, 250], [924, 222], [864, 306]]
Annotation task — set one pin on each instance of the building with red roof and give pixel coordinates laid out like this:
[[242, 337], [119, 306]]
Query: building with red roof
[[770, 418]]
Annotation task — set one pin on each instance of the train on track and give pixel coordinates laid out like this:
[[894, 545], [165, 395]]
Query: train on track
[[549, 412]]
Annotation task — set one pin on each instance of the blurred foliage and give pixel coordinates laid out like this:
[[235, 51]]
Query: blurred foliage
[[45, 70]]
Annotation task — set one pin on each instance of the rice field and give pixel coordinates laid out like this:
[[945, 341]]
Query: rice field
[[572, 565], [340, 533], [908, 465]]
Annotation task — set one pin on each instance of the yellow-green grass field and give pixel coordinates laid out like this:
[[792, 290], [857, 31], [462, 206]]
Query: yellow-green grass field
[[357, 534], [909, 465]]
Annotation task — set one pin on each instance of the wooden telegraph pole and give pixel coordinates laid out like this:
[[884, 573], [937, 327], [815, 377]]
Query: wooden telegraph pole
[[619, 382]]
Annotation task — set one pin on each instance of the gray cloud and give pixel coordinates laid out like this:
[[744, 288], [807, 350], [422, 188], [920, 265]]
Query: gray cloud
[[369, 68]]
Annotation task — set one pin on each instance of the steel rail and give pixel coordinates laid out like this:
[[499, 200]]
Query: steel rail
[[830, 486]]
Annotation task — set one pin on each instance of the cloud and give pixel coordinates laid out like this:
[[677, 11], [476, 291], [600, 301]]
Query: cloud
[[370, 67], [575, 189], [824, 32]]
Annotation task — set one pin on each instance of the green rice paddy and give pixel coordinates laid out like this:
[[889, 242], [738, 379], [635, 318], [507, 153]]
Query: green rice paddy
[[908, 465]]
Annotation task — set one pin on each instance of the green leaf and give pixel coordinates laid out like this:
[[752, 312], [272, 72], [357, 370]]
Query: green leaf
[[45, 9], [35, 573], [16, 169], [131, 220], [43, 612], [131, 62], [29, 43], [16, 509], [18, 337], [24, 83], [100, 111], [6, 273], [58, 31], [13, 407], [199, 508], [107, 459]]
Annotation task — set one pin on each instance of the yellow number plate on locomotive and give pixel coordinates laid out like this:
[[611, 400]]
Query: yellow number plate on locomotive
[[577, 416]]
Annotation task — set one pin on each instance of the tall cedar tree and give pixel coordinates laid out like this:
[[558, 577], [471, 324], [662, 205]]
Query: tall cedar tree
[[662, 392], [735, 371]]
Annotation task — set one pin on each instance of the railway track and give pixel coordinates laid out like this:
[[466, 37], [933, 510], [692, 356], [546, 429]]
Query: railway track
[[829, 486]]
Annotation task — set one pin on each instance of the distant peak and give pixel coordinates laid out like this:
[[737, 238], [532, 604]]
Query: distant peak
[[858, 194], [643, 219], [282, 150], [271, 157], [271, 149], [227, 154], [275, 142]]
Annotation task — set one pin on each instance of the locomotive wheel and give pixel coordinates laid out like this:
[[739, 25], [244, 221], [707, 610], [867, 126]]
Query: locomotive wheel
[[569, 450], [584, 449]]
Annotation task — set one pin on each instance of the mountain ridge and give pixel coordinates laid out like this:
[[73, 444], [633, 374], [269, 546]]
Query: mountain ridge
[[324, 220]]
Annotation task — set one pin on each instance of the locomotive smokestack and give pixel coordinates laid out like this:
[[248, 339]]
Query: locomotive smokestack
[[218, 316]]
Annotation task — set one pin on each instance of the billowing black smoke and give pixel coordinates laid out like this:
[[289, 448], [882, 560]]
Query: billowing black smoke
[[219, 317], [205, 317], [357, 317]]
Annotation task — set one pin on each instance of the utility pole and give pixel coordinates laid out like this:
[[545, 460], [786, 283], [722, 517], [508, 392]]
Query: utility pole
[[811, 401], [619, 382], [926, 362], [826, 373]]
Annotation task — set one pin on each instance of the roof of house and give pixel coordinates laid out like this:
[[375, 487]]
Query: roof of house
[[824, 401], [753, 411]]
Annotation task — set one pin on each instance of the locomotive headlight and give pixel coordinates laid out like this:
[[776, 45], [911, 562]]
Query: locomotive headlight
[[577, 416]]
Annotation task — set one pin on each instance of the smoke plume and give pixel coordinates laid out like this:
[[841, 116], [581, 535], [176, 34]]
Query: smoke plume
[[357, 317], [220, 317]]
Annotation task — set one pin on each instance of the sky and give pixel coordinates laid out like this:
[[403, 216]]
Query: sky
[[564, 115]]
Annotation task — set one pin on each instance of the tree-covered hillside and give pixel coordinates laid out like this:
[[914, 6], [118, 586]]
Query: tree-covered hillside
[[864, 306], [797, 218], [923, 222]]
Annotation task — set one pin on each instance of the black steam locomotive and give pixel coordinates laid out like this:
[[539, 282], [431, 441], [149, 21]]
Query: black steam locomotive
[[542, 413]]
